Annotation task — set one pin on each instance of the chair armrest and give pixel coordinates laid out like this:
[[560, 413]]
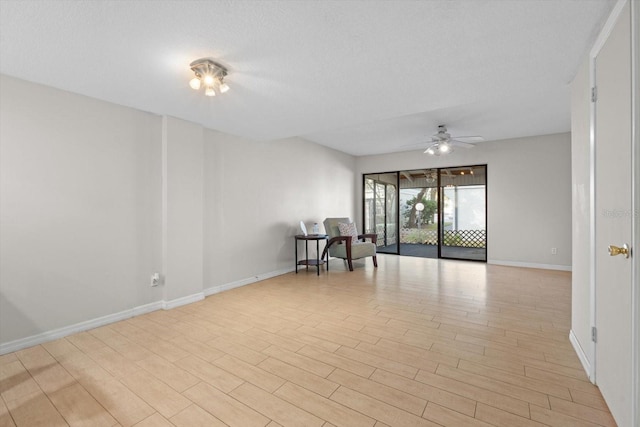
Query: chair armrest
[[338, 240], [372, 236]]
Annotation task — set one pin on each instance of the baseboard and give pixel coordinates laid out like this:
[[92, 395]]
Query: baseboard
[[530, 265], [242, 282], [55, 334], [168, 305], [580, 352]]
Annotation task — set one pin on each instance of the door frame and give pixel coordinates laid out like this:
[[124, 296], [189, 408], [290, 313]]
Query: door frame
[[635, 206], [397, 207], [441, 213], [635, 190], [440, 207]]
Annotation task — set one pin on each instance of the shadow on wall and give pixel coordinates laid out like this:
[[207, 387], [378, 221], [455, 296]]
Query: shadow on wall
[[285, 246], [13, 323]]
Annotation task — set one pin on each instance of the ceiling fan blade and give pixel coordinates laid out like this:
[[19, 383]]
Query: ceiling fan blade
[[461, 144], [415, 144], [469, 139]]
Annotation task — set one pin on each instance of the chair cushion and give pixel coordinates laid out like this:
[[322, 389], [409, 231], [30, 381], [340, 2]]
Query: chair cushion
[[358, 250], [331, 226], [349, 229]]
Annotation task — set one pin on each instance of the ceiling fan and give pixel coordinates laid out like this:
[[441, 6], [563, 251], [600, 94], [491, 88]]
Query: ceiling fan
[[443, 143]]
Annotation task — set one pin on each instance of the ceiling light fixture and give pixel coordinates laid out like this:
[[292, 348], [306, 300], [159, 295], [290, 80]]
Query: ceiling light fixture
[[210, 75], [438, 148]]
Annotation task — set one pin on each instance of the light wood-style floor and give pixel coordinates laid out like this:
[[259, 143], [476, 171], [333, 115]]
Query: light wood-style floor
[[416, 342]]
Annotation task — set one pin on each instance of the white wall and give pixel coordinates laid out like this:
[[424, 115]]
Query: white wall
[[529, 194], [581, 215], [182, 246], [95, 197], [79, 208], [257, 193]]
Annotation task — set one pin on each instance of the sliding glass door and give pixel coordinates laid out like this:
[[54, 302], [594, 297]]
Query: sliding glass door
[[463, 214], [381, 209], [418, 213], [430, 213]]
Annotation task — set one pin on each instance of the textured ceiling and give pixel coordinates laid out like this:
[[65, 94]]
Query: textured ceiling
[[363, 77]]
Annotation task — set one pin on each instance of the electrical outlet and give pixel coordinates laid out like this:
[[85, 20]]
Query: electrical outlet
[[554, 251], [155, 279]]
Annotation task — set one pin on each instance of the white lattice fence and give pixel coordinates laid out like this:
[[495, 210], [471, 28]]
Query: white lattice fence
[[460, 238]]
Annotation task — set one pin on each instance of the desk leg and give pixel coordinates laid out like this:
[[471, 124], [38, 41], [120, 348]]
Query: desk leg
[[306, 252], [295, 250], [326, 262], [318, 255]]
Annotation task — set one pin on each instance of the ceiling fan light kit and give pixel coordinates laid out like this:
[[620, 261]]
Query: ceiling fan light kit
[[438, 148], [442, 142], [209, 74]]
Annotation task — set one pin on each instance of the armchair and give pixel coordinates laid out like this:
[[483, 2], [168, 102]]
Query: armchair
[[340, 246]]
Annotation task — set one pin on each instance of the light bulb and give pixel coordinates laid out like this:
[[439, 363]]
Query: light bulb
[[430, 151], [209, 91], [194, 83], [223, 87], [444, 148], [208, 79]]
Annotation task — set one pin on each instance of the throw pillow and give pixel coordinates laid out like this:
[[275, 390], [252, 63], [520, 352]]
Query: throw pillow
[[349, 229]]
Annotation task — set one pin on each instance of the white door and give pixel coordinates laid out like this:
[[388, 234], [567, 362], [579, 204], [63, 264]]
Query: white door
[[613, 218]]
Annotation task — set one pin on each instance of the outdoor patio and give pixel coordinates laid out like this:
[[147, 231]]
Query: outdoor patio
[[431, 251]]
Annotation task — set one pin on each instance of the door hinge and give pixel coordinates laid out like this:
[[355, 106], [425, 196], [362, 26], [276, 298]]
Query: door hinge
[[594, 334], [594, 94]]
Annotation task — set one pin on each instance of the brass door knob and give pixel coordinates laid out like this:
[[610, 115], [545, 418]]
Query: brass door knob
[[624, 250]]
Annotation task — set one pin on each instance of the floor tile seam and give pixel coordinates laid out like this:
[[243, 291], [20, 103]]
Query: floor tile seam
[[388, 386], [278, 336], [50, 402], [228, 394], [52, 355], [57, 362], [384, 359], [152, 405], [274, 396], [475, 404], [520, 386], [576, 363], [581, 404], [400, 342], [529, 418], [301, 368], [328, 398], [9, 412], [424, 398], [377, 400], [164, 380], [489, 344], [523, 389], [95, 399], [568, 415], [568, 378], [584, 379], [344, 335], [337, 367], [248, 381], [471, 398]]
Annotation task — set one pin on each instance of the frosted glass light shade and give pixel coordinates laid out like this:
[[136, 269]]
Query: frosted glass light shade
[[194, 83]]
